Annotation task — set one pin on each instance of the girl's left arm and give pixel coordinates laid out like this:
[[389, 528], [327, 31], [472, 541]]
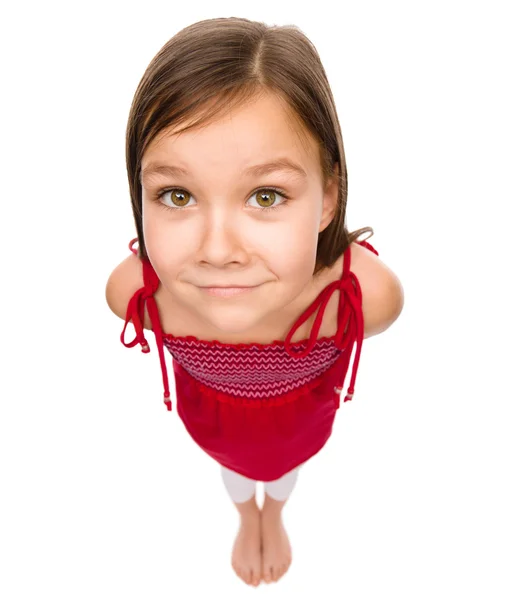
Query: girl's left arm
[[382, 291]]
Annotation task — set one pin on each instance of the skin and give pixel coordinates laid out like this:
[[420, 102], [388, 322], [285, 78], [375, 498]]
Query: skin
[[218, 232], [220, 235]]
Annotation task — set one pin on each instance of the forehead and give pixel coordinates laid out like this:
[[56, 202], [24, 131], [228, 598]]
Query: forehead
[[261, 127]]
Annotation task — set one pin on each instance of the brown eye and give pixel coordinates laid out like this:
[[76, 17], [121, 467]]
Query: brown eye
[[266, 198], [179, 197]]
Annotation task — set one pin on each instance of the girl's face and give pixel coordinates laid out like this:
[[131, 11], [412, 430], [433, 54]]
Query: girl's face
[[210, 227]]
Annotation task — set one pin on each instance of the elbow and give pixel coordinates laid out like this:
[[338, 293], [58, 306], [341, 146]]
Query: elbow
[[112, 295], [386, 305], [395, 302], [109, 294], [398, 299]]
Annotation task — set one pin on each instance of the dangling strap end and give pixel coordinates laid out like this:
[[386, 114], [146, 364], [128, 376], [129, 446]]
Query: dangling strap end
[[167, 401], [338, 392], [349, 395]]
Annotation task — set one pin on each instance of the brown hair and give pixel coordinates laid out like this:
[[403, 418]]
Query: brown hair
[[211, 67]]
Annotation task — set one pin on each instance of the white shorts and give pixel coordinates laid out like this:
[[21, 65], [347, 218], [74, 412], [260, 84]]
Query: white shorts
[[241, 489]]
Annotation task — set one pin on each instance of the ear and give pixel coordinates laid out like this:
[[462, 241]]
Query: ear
[[330, 200]]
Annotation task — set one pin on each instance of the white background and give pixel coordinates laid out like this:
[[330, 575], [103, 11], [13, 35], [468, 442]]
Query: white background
[[103, 493]]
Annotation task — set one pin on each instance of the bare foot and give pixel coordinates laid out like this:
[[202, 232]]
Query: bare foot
[[276, 550], [246, 554]]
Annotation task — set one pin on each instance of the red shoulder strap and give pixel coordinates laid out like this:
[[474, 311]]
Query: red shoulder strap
[[135, 313], [131, 246], [351, 296], [369, 246]]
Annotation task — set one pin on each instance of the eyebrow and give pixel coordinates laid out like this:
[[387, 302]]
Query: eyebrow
[[280, 164]]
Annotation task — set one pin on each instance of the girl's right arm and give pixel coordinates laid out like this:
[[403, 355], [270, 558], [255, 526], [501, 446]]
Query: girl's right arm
[[124, 281]]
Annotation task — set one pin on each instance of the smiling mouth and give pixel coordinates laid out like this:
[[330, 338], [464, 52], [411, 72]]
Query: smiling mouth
[[227, 292]]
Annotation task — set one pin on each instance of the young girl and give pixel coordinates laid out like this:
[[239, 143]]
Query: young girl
[[238, 187]]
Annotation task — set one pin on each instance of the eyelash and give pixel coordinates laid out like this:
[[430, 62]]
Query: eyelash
[[263, 189]]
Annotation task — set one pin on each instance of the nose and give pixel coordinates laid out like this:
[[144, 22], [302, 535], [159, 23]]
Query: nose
[[221, 240]]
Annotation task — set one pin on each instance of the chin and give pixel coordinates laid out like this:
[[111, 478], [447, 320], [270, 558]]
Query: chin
[[232, 323]]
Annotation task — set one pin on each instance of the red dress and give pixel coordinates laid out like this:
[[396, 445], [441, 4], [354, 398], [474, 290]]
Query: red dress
[[259, 409]]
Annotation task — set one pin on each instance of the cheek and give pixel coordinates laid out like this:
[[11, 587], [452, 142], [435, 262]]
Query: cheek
[[165, 248], [292, 252], [288, 248]]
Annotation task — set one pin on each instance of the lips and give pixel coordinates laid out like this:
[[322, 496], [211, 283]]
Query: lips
[[227, 292]]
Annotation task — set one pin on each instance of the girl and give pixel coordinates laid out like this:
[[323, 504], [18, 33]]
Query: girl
[[238, 187]]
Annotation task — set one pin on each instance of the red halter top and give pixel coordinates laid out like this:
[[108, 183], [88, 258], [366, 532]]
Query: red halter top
[[258, 409]]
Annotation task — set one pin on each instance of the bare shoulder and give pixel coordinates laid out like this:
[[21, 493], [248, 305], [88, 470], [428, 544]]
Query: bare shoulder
[[124, 281], [382, 291]]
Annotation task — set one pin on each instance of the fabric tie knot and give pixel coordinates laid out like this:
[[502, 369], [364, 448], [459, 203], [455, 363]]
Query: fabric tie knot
[[349, 305], [135, 312]]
